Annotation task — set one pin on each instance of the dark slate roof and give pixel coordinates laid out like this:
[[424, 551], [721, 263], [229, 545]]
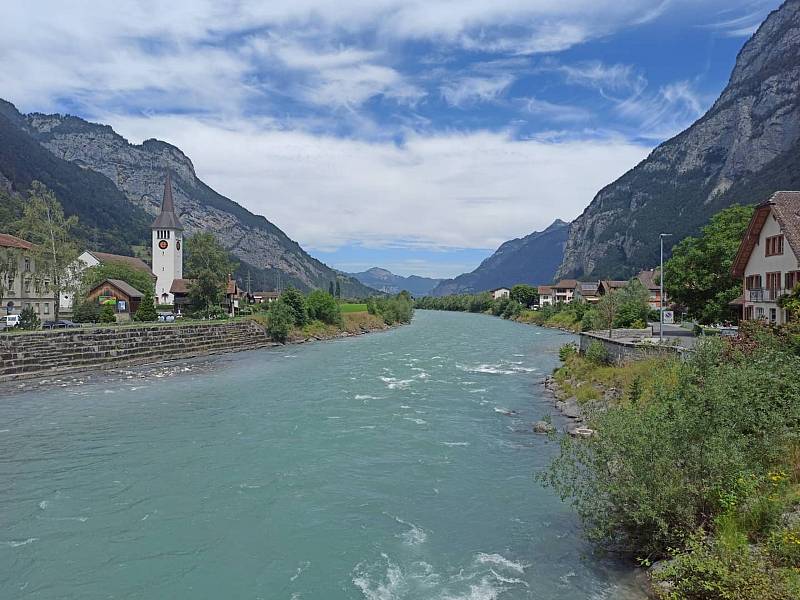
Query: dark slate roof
[[167, 218], [130, 261], [786, 208]]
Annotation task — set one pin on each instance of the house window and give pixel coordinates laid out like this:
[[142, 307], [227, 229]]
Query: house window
[[773, 315], [774, 280], [27, 265], [38, 310], [792, 279], [47, 308], [27, 286], [759, 312], [748, 313], [774, 245], [753, 282]]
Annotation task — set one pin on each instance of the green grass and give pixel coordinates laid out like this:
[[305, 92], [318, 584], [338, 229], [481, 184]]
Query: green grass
[[353, 308]]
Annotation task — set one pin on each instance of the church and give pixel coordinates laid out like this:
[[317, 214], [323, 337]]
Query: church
[[167, 248]]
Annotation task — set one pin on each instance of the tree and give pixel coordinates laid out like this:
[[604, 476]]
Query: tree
[[331, 289], [147, 309], [87, 311], [338, 289], [107, 314], [141, 280], [280, 321], [527, 295], [607, 308], [323, 307], [55, 250], [634, 304], [698, 276], [28, 319], [297, 303], [208, 265]]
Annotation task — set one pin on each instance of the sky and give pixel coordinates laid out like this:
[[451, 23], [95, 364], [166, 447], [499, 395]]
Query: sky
[[415, 135]]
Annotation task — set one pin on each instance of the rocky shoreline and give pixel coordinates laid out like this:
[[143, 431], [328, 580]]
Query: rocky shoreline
[[568, 406]]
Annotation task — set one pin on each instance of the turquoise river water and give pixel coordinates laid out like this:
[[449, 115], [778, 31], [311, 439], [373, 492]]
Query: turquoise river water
[[383, 467]]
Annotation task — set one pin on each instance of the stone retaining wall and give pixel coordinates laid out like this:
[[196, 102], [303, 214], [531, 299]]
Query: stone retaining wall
[[55, 353], [621, 351]]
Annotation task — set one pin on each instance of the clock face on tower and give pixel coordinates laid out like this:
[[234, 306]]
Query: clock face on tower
[[163, 244]]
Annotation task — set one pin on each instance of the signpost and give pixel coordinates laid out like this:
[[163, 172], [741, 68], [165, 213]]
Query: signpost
[[669, 317]]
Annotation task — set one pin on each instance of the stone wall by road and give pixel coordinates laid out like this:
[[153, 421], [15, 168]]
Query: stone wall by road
[[55, 353], [623, 350]]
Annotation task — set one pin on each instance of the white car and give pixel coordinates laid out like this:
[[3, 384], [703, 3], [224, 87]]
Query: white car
[[9, 321]]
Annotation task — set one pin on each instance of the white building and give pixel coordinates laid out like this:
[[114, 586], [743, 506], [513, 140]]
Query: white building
[[167, 247], [500, 293], [90, 258], [546, 295], [767, 260]]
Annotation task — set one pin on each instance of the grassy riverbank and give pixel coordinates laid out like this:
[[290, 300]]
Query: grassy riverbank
[[695, 465]]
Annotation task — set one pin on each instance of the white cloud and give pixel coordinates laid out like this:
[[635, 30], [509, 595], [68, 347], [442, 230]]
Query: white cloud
[[663, 114], [471, 90], [555, 111], [442, 191], [610, 80]]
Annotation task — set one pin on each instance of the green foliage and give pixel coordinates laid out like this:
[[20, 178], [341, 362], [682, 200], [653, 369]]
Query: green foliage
[[526, 295], [107, 314], [663, 469], [217, 313], [698, 276], [398, 309], [475, 303], [567, 351], [206, 292], [633, 306], [512, 309], [297, 304], [208, 264], [323, 307], [28, 319], [280, 321], [93, 276], [147, 309], [354, 307], [87, 311], [597, 354]]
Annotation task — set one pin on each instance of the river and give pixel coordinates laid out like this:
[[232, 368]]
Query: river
[[388, 466]]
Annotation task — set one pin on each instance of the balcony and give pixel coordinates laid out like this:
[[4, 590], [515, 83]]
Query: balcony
[[766, 294]]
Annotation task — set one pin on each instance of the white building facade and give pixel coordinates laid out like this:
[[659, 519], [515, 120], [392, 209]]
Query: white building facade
[[167, 247], [501, 293], [767, 260]]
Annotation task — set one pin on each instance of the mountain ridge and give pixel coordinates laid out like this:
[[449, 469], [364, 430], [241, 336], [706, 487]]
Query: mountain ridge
[[384, 280]]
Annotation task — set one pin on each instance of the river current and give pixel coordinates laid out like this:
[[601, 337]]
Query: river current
[[391, 466]]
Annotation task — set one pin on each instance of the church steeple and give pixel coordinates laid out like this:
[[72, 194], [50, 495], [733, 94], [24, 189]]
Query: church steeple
[[167, 218]]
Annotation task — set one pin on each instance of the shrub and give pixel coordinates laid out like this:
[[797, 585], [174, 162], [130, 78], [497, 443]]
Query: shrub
[[281, 320], [107, 314], [217, 313], [297, 304], [147, 310], [597, 354], [638, 324], [323, 307], [784, 546], [28, 319], [86, 312], [566, 351]]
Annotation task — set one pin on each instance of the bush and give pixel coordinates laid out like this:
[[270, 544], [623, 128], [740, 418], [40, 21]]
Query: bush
[[280, 321], [323, 307], [297, 304], [146, 313], [784, 546], [217, 313], [597, 354], [566, 351], [86, 312], [108, 314], [28, 319]]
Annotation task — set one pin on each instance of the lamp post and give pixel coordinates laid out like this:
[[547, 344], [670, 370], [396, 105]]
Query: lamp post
[[661, 237]]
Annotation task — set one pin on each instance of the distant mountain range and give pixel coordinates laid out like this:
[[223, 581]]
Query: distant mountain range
[[386, 281], [533, 259], [742, 150], [115, 189]]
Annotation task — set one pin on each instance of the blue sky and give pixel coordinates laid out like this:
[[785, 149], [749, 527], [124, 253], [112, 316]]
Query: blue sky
[[413, 135]]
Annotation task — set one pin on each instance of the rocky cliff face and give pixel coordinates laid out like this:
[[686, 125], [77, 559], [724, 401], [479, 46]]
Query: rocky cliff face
[[744, 148], [138, 172], [532, 259]]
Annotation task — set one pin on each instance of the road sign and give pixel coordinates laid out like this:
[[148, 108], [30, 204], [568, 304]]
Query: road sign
[[669, 317]]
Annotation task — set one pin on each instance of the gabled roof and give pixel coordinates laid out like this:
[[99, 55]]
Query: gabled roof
[[566, 284], [545, 290], [786, 208], [167, 218], [180, 286], [122, 286], [11, 241], [648, 279], [589, 287], [131, 261]]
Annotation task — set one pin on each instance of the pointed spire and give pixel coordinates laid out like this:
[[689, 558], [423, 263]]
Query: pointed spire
[[167, 218]]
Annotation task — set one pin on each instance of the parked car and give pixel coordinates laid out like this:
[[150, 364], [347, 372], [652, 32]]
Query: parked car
[[9, 321], [165, 317], [60, 324]]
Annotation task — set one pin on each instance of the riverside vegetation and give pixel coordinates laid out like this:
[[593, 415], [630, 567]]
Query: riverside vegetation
[[696, 464]]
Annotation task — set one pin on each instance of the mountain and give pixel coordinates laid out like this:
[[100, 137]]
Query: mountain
[[744, 148], [386, 281], [116, 187], [532, 259]]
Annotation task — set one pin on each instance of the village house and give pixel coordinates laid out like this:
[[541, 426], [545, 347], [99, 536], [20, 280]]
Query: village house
[[500, 293], [91, 258], [25, 284], [122, 296], [767, 260], [650, 280], [545, 295], [265, 297], [587, 291], [564, 290]]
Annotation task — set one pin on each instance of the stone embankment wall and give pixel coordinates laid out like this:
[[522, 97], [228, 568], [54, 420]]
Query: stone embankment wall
[[621, 350], [55, 353]]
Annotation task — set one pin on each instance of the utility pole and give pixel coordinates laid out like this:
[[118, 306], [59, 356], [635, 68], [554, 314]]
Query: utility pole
[[249, 286], [661, 237]]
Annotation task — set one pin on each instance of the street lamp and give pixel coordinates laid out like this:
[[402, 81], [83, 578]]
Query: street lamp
[[661, 237]]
